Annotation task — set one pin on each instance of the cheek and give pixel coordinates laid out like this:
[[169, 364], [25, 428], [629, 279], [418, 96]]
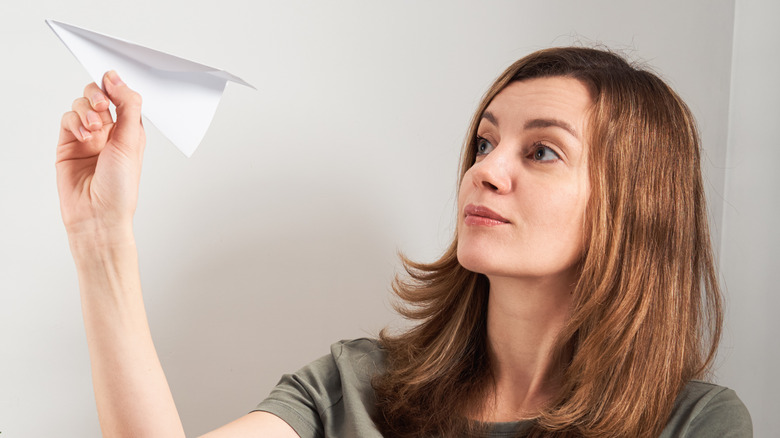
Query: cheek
[[566, 220], [555, 218], [566, 211], [463, 192], [548, 205]]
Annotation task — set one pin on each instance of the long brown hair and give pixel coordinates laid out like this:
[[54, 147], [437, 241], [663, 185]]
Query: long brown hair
[[647, 313]]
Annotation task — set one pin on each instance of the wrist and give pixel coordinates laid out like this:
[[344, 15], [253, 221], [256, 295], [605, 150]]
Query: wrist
[[106, 260], [90, 238]]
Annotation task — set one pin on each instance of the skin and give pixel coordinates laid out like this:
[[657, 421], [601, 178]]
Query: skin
[[529, 261], [534, 175], [98, 171]]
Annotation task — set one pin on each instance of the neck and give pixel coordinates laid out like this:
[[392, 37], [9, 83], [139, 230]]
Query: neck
[[524, 318]]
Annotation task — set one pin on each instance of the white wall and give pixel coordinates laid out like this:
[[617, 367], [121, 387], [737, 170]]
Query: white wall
[[750, 254], [278, 236]]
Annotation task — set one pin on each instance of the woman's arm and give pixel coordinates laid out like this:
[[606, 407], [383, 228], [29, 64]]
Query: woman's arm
[[98, 171], [255, 425], [132, 394]]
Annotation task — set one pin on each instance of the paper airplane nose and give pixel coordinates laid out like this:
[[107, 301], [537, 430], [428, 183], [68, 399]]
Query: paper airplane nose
[[180, 96]]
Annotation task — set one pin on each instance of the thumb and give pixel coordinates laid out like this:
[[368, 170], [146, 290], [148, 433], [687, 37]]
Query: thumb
[[128, 131]]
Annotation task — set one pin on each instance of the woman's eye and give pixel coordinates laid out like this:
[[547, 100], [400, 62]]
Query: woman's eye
[[544, 153], [483, 146]]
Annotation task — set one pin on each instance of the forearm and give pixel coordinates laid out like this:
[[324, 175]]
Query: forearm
[[132, 394]]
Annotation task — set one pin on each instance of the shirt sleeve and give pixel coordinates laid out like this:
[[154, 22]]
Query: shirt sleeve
[[332, 396], [299, 399]]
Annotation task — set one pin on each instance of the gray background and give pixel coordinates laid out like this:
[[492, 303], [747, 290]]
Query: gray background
[[279, 236]]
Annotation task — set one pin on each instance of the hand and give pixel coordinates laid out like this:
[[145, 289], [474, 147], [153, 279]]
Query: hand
[[99, 160]]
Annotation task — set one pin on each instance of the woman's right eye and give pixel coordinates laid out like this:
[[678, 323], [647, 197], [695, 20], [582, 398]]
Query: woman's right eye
[[483, 146]]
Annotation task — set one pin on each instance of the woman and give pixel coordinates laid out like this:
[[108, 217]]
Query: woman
[[578, 297]]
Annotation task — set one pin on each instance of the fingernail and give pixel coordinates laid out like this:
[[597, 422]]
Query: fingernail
[[85, 135], [97, 98], [93, 118], [114, 78]]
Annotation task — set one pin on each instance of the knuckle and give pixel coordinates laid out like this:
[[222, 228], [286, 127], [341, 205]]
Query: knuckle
[[69, 118], [77, 103], [89, 88], [134, 99]]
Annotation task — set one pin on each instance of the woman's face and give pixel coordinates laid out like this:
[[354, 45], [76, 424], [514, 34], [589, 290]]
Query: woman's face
[[522, 203]]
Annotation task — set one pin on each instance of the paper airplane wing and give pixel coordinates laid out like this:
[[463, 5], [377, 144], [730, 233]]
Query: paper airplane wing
[[180, 96]]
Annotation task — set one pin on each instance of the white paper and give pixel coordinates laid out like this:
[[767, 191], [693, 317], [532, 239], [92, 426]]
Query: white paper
[[180, 97]]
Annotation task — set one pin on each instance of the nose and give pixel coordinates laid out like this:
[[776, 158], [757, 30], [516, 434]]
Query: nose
[[493, 173]]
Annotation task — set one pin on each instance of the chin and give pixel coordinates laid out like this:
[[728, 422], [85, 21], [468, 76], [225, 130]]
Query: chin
[[529, 268], [476, 261]]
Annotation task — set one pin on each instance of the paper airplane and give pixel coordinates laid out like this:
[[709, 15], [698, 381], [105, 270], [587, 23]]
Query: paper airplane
[[180, 96]]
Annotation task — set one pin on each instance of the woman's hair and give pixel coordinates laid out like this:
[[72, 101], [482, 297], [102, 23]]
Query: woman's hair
[[646, 314]]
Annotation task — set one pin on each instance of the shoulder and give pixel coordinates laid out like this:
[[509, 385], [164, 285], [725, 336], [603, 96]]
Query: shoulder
[[351, 364], [705, 409], [363, 353], [331, 395]]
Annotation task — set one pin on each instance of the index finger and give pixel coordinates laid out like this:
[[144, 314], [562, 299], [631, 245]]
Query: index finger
[[98, 101], [128, 130]]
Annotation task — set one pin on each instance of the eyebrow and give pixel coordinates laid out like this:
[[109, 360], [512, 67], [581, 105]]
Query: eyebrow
[[490, 117], [537, 123], [544, 123]]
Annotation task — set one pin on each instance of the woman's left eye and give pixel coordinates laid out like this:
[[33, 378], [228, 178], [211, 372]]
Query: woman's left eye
[[544, 153]]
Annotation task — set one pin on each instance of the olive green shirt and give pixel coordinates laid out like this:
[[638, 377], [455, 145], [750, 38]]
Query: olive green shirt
[[333, 397]]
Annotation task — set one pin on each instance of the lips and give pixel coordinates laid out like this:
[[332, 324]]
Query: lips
[[482, 216]]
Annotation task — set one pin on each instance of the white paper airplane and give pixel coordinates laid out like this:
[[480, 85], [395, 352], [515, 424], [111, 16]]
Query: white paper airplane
[[180, 97]]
